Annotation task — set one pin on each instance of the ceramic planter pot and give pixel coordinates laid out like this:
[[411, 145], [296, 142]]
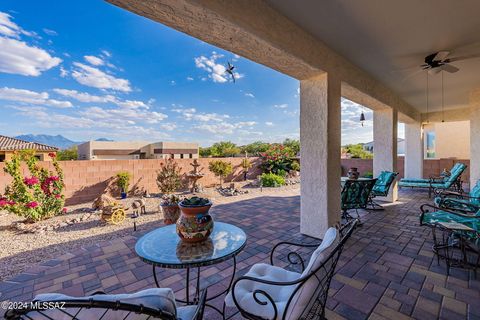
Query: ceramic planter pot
[[195, 223], [123, 195], [353, 174], [170, 213]]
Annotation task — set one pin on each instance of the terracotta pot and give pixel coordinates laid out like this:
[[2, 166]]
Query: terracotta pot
[[353, 174], [170, 213], [195, 223]]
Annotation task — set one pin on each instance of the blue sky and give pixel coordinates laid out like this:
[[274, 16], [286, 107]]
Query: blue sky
[[87, 69]]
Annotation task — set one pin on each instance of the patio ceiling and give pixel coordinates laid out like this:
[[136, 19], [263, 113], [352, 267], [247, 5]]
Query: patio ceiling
[[385, 37]]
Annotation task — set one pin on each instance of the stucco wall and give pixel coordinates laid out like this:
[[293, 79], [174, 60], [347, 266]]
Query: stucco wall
[[452, 139], [87, 179]]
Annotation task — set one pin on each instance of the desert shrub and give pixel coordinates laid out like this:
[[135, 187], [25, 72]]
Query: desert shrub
[[68, 154], [368, 174], [37, 196], [272, 180], [276, 158], [123, 180], [169, 177], [220, 169], [295, 166]]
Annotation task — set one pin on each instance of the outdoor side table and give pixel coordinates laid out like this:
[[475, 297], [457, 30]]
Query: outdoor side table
[[455, 245], [163, 248]]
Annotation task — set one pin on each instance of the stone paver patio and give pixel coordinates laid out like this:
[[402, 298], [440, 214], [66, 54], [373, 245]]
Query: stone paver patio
[[387, 271]]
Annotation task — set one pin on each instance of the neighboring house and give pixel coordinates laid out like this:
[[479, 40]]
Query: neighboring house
[[9, 145], [400, 146], [124, 150]]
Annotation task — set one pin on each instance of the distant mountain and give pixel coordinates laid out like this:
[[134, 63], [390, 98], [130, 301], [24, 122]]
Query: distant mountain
[[58, 141]]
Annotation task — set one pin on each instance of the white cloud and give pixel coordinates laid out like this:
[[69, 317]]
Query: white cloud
[[172, 82], [31, 97], [280, 106], [90, 98], [191, 114], [17, 57], [217, 72], [94, 77], [248, 94], [11, 29], [225, 127], [268, 123], [106, 53], [189, 78], [50, 32], [93, 60]]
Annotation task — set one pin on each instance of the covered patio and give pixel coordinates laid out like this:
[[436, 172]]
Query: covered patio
[[387, 271]]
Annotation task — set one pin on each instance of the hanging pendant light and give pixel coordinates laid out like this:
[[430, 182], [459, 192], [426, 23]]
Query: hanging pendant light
[[427, 95], [443, 105]]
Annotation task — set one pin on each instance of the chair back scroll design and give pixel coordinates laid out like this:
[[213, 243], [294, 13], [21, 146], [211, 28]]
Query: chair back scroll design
[[312, 285], [356, 193]]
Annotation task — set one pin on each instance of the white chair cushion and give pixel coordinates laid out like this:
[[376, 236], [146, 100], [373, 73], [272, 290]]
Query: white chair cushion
[[303, 297], [155, 298], [280, 294]]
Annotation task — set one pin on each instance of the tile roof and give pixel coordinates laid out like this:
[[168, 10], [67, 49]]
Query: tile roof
[[11, 144]]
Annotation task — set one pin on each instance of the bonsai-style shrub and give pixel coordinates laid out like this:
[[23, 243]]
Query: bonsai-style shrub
[[295, 166], [272, 180], [123, 180], [195, 202], [37, 196], [169, 178], [246, 164], [277, 158], [220, 169]]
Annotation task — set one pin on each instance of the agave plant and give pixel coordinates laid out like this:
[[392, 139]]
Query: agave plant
[[195, 202]]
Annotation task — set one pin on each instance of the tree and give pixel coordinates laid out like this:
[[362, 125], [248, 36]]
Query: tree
[[169, 177], [357, 151], [224, 149], [255, 148], [205, 152], [68, 154], [293, 145], [220, 169]]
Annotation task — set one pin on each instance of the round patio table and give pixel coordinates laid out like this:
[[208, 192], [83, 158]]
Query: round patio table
[[343, 179], [163, 248]]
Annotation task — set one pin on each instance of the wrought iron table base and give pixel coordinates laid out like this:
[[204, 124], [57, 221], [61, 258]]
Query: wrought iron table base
[[197, 290]]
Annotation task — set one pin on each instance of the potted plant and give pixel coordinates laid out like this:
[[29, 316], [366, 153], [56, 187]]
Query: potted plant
[[169, 180], [195, 223], [123, 182]]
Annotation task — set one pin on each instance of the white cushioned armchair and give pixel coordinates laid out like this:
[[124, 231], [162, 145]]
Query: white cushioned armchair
[[270, 292]]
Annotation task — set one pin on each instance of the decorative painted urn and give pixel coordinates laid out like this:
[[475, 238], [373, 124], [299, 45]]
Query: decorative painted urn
[[170, 209], [195, 223], [353, 174]]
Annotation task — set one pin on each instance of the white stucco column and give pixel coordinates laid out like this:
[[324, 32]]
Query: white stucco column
[[474, 138], [385, 145], [320, 130], [413, 150]]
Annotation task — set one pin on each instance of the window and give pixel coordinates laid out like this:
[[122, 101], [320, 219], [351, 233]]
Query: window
[[2, 157], [172, 156], [190, 155], [181, 156], [430, 144]]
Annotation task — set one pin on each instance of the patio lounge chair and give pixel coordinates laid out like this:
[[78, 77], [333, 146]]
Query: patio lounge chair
[[356, 195], [381, 188], [270, 292], [460, 202], [452, 182], [155, 303], [431, 215]]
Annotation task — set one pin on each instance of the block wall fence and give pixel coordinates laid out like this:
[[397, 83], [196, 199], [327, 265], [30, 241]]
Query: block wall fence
[[87, 179]]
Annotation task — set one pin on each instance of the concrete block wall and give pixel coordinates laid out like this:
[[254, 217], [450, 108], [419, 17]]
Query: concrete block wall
[[85, 180]]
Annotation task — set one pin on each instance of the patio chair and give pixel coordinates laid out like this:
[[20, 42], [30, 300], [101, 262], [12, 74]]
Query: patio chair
[[431, 215], [460, 202], [435, 184], [381, 188], [270, 292], [355, 195], [155, 303]]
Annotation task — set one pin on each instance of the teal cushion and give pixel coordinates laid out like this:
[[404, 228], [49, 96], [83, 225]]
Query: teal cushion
[[384, 180], [475, 194], [456, 204]]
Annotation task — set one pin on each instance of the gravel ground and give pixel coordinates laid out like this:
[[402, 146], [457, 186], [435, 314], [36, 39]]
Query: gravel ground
[[19, 251]]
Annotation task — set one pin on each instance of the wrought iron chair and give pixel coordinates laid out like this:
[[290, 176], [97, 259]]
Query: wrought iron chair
[[381, 188], [460, 202], [356, 195], [436, 184], [155, 303], [270, 292]]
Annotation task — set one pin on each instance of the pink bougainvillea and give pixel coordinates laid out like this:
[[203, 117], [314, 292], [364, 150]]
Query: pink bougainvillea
[[37, 196]]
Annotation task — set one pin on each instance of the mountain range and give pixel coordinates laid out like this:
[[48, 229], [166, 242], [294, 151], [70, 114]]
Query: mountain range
[[58, 141]]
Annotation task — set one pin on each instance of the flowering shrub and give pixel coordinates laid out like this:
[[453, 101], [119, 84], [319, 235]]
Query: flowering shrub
[[272, 180], [37, 196], [277, 159]]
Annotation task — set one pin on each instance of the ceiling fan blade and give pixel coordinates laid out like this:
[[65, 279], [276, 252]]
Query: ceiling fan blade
[[441, 55], [449, 68], [411, 75], [434, 71], [466, 57]]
